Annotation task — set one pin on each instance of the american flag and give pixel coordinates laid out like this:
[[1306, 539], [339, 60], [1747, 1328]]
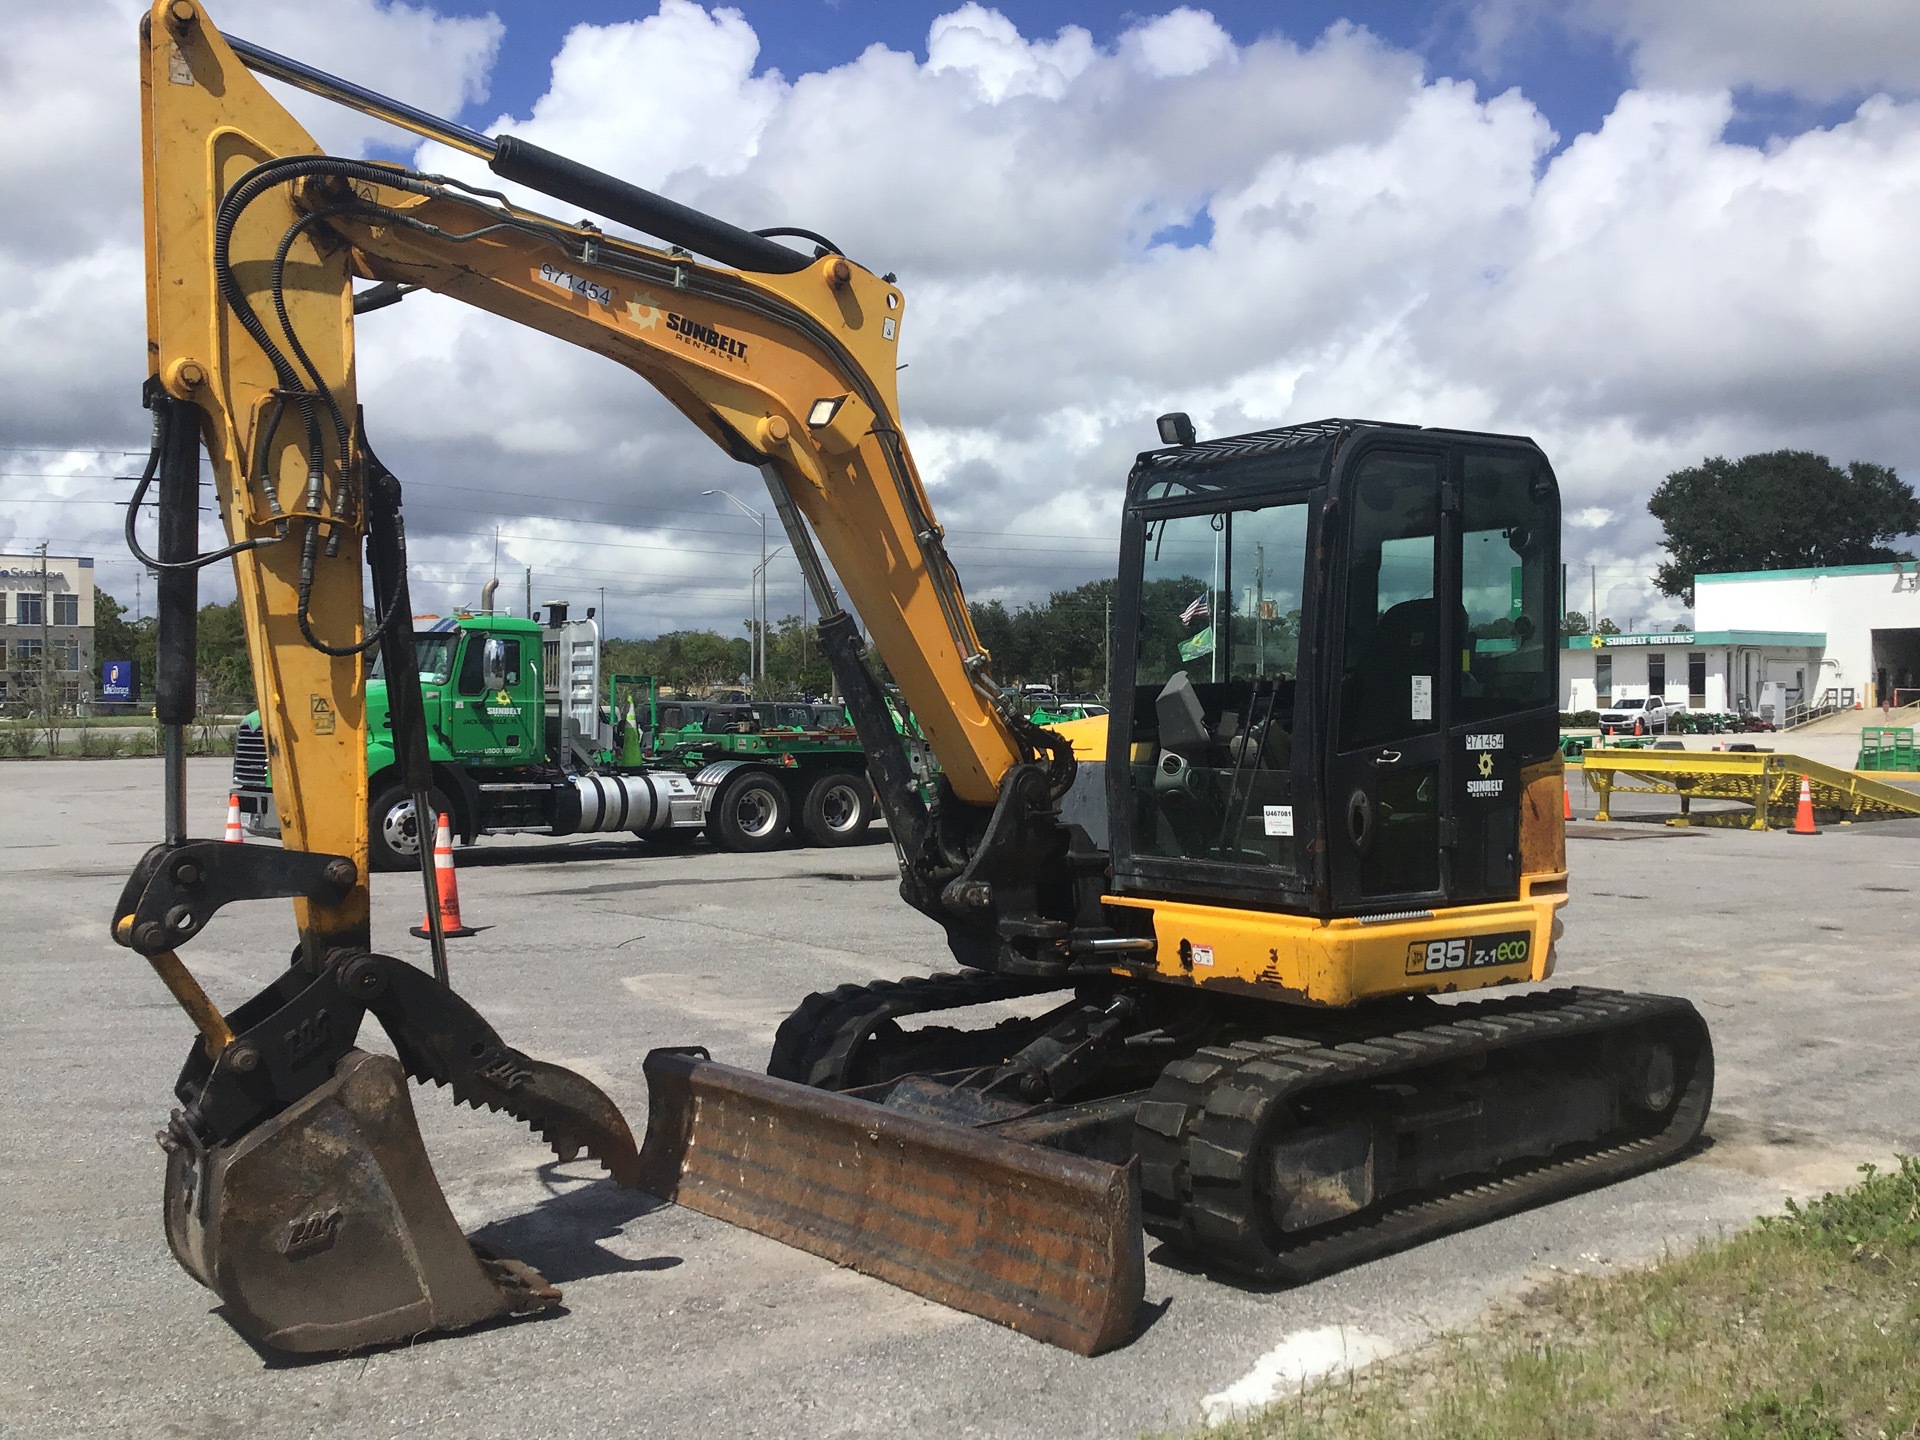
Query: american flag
[[1194, 611]]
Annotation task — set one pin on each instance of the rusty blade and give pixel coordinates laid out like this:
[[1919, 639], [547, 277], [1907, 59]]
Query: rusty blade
[[1046, 1243]]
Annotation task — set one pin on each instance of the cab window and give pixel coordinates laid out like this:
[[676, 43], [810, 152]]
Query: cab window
[[1509, 587], [473, 660]]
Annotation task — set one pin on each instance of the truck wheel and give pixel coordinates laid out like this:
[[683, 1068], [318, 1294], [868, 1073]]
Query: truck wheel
[[749, 814], [838, 810], [393, 839]]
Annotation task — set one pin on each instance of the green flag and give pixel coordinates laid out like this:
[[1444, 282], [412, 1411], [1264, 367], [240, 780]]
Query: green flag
[[1201, 644]]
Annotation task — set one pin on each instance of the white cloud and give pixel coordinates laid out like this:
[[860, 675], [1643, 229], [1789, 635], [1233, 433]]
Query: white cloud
[[72, 350], [1825, 51], [1180, 42], [984, 46], [1353, 237]]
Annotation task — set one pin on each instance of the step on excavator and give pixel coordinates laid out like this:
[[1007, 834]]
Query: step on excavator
[[1242, 911]]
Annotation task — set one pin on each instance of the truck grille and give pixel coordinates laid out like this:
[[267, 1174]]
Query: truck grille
[[250, 759]]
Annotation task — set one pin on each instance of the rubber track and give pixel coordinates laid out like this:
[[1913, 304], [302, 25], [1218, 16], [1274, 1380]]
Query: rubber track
[[1197, 1133], [815, 1044]]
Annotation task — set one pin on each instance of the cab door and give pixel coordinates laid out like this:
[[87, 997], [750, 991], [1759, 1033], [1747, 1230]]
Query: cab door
[[496, 709], [1389, 796]]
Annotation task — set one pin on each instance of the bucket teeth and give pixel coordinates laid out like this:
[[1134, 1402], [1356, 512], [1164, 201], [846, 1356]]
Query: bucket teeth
[[441, 1038], [570, 1113]]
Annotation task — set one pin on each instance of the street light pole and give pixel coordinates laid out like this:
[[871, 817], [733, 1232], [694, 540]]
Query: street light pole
[[761, 516]]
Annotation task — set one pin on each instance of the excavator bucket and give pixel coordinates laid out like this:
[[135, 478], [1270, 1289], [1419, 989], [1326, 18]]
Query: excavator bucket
[[324, 1229], [1044, 1242]]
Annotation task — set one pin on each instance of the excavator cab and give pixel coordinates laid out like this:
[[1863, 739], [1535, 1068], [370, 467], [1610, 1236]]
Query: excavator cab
[[1342, 666]]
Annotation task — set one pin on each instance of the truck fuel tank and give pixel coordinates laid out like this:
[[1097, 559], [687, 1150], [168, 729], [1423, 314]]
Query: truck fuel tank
[[656, 800]]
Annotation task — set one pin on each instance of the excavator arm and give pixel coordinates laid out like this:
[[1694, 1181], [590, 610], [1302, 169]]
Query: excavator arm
[[786, 360]]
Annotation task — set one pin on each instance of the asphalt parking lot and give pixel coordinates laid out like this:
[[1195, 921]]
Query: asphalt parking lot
[[1800, 952]]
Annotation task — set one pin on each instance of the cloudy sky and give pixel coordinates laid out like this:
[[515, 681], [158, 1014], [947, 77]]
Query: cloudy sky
[[1641, 231]]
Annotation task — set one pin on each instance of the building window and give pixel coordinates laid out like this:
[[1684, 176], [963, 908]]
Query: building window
[[29, 608], [1697, 679], [1657, 675], [26, 653], [3, 607], [66, 653], [1603, 680], [66, 609]]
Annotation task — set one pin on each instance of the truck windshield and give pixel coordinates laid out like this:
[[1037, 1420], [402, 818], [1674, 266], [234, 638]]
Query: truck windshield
[[432, 653]]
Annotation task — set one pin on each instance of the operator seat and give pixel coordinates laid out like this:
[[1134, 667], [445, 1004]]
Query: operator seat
[[1377, 691]]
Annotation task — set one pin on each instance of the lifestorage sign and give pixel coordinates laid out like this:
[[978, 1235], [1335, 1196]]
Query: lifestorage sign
[[119, 680]]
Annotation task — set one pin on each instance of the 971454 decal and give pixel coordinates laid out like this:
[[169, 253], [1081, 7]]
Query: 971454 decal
[[1469, 952]]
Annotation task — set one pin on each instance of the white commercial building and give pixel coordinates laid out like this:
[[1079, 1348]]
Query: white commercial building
[[1767, 641], [46, 626], [1728, 670], [1869, 614]]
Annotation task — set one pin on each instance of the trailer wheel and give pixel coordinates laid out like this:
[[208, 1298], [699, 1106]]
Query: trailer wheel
[[838, 810], [393, 839], [749, 814]]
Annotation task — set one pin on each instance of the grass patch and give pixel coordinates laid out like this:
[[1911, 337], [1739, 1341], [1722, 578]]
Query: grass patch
[[1805, 1327]]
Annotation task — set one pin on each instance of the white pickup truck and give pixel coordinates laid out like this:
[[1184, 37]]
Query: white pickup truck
[[1642, 715]]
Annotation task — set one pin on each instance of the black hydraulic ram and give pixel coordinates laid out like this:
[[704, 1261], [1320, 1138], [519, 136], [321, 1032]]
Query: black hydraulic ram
[[527, 164], [177, 443]]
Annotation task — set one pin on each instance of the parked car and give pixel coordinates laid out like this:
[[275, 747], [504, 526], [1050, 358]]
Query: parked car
[[1643, 715]]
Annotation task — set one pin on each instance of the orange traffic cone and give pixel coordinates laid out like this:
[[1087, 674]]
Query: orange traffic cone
[[1566, 801], [1803, 816], [236, 834], [448, 885]]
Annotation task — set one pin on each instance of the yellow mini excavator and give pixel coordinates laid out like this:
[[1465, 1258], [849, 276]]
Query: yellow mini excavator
[[1328, 793]]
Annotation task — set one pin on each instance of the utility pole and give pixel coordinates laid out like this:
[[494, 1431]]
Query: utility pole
[[604, 632], [529, 592], [1260, 610], [46, 658], [1593, 603]]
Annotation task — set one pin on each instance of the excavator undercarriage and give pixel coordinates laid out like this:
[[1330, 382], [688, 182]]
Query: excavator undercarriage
[[1229, 932]]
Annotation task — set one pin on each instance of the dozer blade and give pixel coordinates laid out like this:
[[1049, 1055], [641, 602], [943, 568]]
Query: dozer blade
[[324, 1229], [1044, 1242]]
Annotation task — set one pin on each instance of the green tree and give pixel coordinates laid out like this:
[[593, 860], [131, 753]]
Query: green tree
[[1574, 623], [1776, 511], [795, 665], [220, 651], [115, 637], [1061, 640], [1606, 627], [687, 660]]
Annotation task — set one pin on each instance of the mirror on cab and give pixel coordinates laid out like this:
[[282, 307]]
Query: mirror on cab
[[493, 663]]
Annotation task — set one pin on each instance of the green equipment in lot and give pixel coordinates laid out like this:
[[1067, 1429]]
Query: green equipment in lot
[[1887, 747], [521, 744], [779, 764]]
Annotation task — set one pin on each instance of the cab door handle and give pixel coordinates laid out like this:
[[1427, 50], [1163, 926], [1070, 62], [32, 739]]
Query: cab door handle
[[1386, 758]]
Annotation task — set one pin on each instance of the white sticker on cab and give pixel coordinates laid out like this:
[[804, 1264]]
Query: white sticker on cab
[[1423, 697], [1278, 819]]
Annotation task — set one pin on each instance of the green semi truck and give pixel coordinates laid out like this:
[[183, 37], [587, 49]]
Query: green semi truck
[[525, 741]]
